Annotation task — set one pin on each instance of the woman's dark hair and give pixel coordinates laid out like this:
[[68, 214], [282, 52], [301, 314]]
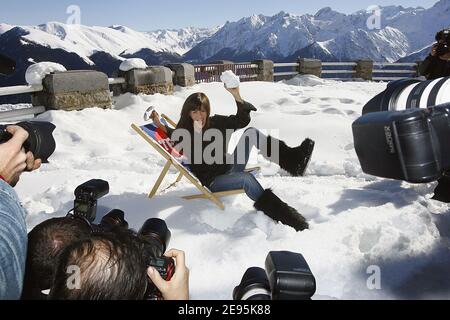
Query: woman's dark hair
[[195, 102]]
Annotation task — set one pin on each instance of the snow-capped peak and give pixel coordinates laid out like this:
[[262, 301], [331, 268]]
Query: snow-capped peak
[[85, 40], [402, 30], [5, 28], [326, 13]]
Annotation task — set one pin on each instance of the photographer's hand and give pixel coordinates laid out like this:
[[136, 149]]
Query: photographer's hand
[[32, 164], [13, 160], [178, 287], [434, 49]]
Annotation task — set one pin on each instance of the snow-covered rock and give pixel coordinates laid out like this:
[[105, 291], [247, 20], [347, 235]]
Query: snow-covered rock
[[37, 72], [130, 64]]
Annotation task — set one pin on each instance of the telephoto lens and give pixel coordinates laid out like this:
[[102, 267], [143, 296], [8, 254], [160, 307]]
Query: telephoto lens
[[156, 236], [155, 231], [254, 286], [410, 94], [410, 145], [442, 49], [40, 140]]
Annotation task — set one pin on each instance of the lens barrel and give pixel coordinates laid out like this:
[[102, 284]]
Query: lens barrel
[[254, 286], [410, 94], [155, 230], [114, 219]]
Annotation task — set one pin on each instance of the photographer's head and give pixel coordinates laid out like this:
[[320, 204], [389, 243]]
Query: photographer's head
[[443, 35], [106, 266], [45, 242], [442, 48]]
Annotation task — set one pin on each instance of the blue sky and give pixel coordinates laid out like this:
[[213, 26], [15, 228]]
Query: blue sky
[[150, 15]]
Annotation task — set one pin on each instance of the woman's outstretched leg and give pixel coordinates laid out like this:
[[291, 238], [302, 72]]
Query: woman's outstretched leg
[[293, 160], [237, 181], [265, 200]]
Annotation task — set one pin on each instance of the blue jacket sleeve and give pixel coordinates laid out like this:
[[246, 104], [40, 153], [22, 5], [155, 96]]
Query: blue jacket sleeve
[[13, 243]]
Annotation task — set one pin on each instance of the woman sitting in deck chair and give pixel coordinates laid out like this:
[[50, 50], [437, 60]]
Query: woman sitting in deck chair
[[227, 171]]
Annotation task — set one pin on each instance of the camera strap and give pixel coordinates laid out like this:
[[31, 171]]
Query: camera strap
[[80, 218]]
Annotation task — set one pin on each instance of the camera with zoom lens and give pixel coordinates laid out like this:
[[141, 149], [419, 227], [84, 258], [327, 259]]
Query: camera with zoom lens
[[154, 236], [40, 138], [7, 65], [403, 132], [287, 276], [443, 46], [85, 207]]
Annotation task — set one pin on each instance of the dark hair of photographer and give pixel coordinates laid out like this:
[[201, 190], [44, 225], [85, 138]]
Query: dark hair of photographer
[[437, 64], [45, 242], [111, 267]]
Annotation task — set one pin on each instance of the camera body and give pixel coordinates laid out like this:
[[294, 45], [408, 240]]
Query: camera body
[[442, 48], [153, 237], [166, 268], [410, 145], [40, 138], [443, 39], [287, 276]]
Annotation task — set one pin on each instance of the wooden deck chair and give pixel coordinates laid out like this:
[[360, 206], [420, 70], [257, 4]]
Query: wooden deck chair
[[159, 140]]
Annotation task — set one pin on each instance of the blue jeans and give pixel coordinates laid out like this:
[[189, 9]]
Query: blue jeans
[[13, 243], [236, 178]]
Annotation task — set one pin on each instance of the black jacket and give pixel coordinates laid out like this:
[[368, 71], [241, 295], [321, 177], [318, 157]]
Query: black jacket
[[206, 173], [434, 68]]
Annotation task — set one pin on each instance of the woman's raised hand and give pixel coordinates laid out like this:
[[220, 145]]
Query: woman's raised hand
[[236, 93]]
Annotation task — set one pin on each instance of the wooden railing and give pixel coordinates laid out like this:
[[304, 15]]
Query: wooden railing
[[205, 73]]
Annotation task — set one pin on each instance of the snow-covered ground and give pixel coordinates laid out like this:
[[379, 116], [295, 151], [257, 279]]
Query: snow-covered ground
[[357, 221]]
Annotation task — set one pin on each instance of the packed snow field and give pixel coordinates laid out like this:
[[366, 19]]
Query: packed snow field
[[356, 221]]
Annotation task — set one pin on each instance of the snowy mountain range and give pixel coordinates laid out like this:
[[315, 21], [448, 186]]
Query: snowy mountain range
[[115, 40], [328, 35]]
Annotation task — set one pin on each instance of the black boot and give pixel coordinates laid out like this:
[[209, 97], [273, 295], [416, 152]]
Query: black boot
[[442, 191], [278, 210], [295, 160]]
